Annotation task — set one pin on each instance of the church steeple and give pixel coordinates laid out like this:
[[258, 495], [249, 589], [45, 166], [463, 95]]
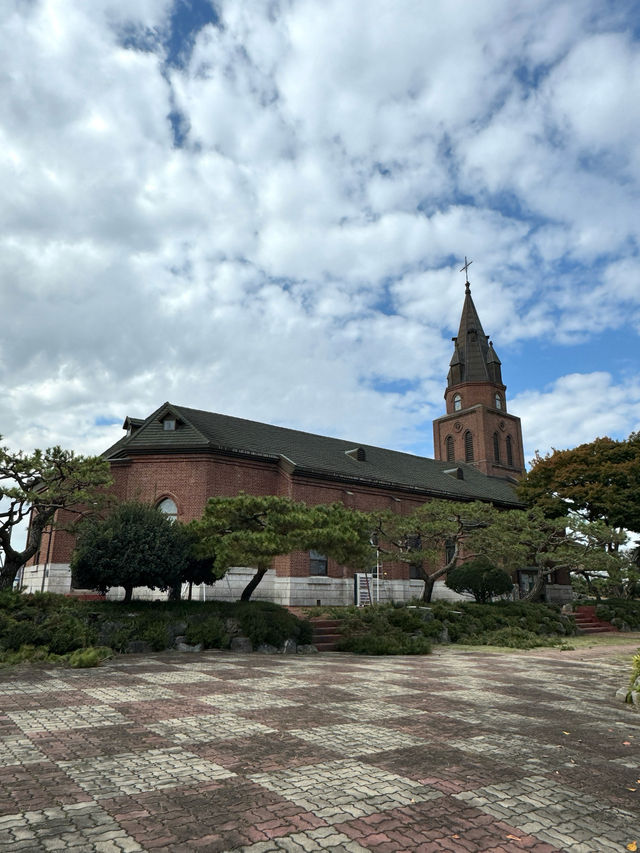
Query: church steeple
[[477, 428], [474, 358]]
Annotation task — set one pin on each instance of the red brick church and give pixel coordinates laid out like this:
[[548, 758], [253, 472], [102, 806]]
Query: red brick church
[[178, 457]]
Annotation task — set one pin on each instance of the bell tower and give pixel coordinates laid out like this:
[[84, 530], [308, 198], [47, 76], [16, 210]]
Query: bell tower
[[477, 427]]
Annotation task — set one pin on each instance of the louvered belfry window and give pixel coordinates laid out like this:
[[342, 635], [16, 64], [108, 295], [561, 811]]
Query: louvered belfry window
[[496, 447], [509, 451], [450, 451], [468, 447]]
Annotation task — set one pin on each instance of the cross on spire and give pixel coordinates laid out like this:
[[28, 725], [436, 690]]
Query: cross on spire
[[465, 269]]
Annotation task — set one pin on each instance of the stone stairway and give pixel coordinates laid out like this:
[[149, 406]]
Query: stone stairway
[[588, 623], [326, 633]]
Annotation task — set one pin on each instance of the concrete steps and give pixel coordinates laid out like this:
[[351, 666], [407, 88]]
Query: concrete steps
[[588, 623], [326, 633]]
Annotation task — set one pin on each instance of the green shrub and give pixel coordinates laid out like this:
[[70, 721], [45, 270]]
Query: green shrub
[[481, 579], [622, 612], [264, 622], [209, 631], [385, 630], [91, 656]]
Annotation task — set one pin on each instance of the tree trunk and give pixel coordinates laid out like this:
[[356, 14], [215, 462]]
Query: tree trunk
[[536, 590], [253, 583], [190, 590], [175, 592], [128, 593], [427, 592], [9, 571]]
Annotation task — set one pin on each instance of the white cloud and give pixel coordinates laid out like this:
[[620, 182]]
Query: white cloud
[[576, 409], [299, 254]]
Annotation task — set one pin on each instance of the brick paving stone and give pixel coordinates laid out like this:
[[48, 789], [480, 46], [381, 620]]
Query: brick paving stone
[[338, 790], [80, 827], [207, 727], [463, 751], [59, 719], [355, 739], [133, 772]]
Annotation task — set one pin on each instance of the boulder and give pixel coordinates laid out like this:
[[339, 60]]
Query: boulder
[[241, 644], [290, 647], [307, 649], [182, 645], [137, 647], [266, 649]]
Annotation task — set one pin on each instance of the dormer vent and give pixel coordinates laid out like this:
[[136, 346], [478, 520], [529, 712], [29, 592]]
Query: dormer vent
[[457, 473], [131, 425], [357, 453]]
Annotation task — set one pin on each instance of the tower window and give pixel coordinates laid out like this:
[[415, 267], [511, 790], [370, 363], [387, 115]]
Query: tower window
[[317, 564], [498, 401], [496, 447], [457, 402], [168, 507], [468, 447], [509, 451], [449, 448]]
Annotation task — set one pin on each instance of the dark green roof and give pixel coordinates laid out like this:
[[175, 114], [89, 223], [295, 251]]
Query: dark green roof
[[315, 455]]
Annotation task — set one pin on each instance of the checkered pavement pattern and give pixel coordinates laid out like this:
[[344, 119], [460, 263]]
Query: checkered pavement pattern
[[456, 751]]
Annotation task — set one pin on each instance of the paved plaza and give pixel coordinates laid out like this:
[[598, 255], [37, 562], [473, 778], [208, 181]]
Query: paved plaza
[[456, 751]]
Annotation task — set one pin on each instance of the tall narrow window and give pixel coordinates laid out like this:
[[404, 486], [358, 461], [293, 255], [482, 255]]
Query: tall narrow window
[[468, 447], [168, 507], [498, 401], [457, 402], [496, 447], [509, 452], [317, 564], [448, 444], [449, 550]]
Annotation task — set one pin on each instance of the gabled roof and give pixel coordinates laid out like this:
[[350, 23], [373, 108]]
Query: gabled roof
[[313, 455]]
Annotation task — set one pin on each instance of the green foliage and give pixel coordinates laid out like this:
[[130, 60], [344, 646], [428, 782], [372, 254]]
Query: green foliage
[[600, 479], [468, 622], [250, 531], [39, 485], [621, 612], [264, 622], [479, 578], [420, 538], [51, 627], [83, 658], [209, 631], [511, 637], [385, 630], [135, 545]]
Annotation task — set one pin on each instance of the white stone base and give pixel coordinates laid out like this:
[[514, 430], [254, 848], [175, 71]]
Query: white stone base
[[301, 592]]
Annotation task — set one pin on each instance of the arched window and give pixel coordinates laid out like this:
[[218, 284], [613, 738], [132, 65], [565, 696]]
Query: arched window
[[496, 447], [498, 401], [168, 507], [457, 402], [450, 451], [509, 451], [468, 447]]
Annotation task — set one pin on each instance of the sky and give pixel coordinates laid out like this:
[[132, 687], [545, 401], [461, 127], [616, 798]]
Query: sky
[[261, 208]]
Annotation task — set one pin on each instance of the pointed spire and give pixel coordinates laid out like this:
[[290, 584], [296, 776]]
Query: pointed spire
[[474, 359]]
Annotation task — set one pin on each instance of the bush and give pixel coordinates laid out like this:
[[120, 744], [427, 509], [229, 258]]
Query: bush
[[479, 578], [83, 658], [60, 625], [385, 630], [210, 631], [622, 612]]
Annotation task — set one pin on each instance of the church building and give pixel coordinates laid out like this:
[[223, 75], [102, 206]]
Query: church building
[[178, 457]]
